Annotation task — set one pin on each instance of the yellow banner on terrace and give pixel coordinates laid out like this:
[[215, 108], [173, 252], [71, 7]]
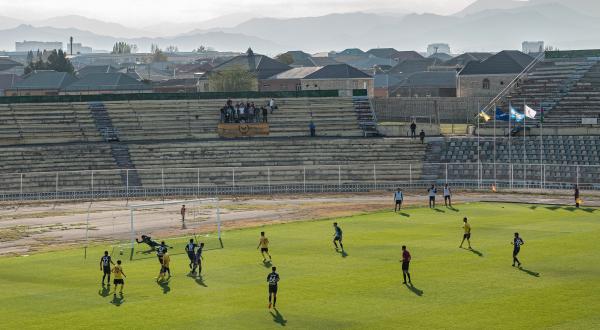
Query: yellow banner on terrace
[[243, 130]]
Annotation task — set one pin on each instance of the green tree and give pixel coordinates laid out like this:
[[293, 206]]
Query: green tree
[[56, 60], [285, 58], [157, 54], [172, 49], [122, 47], [235, 79]]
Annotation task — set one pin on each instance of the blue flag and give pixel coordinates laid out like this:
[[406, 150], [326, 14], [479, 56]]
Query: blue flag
[[501, 115], [516, 116]]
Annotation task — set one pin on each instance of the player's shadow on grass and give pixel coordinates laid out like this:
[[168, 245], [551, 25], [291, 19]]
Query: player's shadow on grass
[[117, 300], [343, 253], [553, 207], [104, 291], [529, 272], [414, 290], [164, 286], [267, 264], [200, 281], [439, 210], [478, 253], [278, 318], [452, 208], [405, 214]]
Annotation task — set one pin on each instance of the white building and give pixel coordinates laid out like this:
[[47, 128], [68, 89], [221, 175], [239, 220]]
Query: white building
[[533, 47], [26, 46]]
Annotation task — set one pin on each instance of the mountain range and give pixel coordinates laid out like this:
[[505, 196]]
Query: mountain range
[[485, 25]]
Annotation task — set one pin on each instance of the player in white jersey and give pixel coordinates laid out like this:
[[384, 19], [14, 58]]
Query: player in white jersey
[[447, 196], [398, 198]]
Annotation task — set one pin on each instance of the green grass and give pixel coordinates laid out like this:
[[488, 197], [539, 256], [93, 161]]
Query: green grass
[[319, 288]]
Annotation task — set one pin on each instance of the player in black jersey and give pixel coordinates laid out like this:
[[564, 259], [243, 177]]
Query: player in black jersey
[[517, 242], [273, 279], [105, 263], [190, 249]]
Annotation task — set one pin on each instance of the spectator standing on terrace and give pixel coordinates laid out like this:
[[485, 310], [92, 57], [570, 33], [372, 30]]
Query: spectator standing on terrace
[[255, 113], [576, 195], [413, 130], [242, 112], [422, 136], [265, 113], [313, 129], [272, 105]]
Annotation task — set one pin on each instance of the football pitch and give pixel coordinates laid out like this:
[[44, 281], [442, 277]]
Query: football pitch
[[557, 287]]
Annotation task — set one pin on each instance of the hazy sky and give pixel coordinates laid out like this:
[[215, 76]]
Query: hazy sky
[[147, 12]]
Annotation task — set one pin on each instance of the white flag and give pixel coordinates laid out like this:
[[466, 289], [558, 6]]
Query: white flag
[[530, 113]]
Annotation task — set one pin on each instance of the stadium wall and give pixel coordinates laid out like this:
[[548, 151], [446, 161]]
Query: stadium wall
[[172, 96]]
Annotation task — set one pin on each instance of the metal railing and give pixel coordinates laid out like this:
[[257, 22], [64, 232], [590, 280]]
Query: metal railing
[[509, 87], [171, 182]]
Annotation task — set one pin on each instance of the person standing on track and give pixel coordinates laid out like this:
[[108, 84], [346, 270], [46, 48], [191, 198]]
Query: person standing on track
[[432, 192], [182, 211], [577, 197], [447, 196], [398, 198]]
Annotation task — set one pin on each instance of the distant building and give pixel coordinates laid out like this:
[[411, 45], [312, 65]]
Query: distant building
[[427, 84], [261, 66], [78, 48], [7, 81], [184, 85], [341, 77], [391, 53], [490, 77], [462, 60], [105, 83], [42, 82], [438, 48], [9, 66], [27, 46], [533, 47]]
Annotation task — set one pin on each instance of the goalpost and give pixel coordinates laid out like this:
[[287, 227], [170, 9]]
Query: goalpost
[[168, 222]]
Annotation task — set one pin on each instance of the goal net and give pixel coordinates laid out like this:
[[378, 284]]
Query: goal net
[[175, 223]]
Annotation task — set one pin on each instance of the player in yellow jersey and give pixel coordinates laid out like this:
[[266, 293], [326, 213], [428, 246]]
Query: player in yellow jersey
[[118, 277], [467, 234], [166, 260], [263, 244]]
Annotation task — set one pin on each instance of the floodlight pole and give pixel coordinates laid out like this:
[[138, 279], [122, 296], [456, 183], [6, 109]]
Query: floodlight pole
[[374, 177]]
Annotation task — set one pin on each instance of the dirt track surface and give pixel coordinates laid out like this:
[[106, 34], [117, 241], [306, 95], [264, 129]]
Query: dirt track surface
[[27, 228]]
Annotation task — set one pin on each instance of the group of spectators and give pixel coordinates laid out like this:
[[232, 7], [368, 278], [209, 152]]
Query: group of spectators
[[246, 112]]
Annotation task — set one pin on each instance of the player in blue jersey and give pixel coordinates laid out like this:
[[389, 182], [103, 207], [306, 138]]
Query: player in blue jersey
[[198, 259], [337, 236], [273, 280], [105, 263], [517, 242]]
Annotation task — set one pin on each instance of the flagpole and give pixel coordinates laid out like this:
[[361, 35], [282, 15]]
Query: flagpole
[[542, 143], [494, 143], [478, 149], [509, 132], [524, 145]]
